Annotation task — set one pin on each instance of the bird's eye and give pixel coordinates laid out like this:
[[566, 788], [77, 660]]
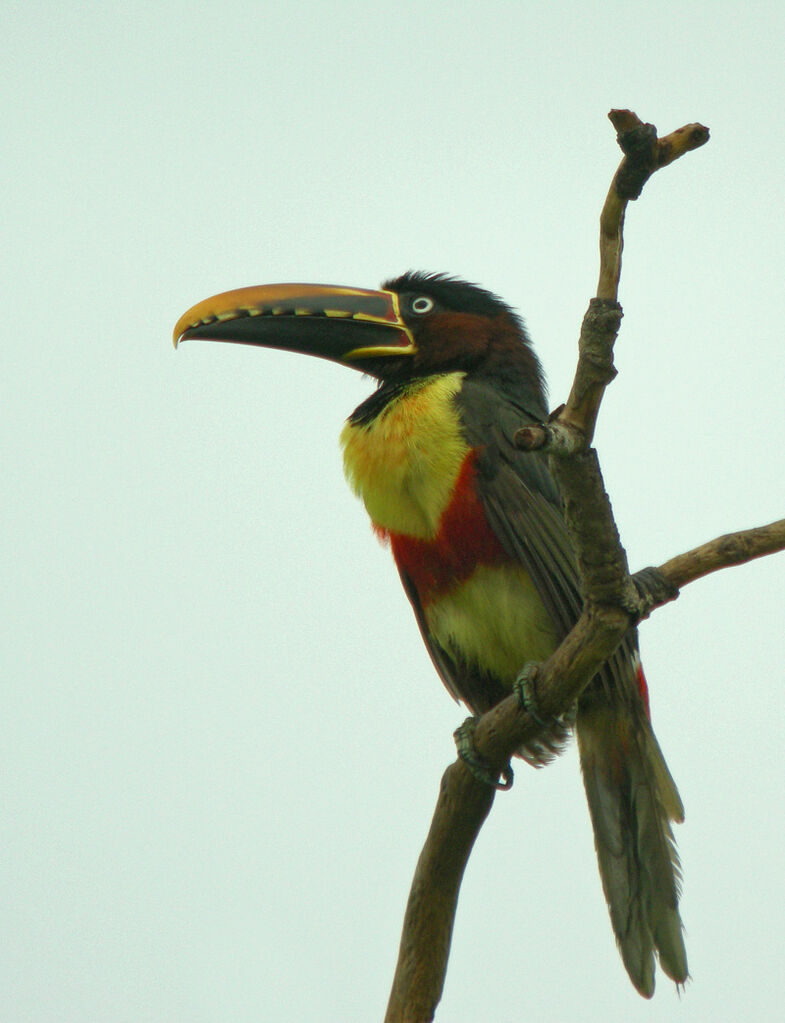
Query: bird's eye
[[422, 304]]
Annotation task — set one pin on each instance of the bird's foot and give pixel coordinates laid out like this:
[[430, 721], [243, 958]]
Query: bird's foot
[[479, 766], [525, 688]]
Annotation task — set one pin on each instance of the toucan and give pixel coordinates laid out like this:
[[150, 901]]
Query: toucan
[[476, 529]]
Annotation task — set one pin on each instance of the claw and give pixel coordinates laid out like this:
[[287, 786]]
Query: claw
[[479, 766], [524, 686]]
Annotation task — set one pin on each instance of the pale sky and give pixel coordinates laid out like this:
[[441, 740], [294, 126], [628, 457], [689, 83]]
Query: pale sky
[[222, 736]]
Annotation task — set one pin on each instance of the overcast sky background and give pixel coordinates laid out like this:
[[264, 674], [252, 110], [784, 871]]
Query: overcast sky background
[[222, 737]]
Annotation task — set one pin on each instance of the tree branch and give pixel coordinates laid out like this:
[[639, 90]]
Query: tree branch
[[644, 153], [461, 809], [571, 427], [464, 802], [730, 549], [614, 601]]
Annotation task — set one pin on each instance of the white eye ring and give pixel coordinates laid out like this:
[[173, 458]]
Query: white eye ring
[[422, 304]]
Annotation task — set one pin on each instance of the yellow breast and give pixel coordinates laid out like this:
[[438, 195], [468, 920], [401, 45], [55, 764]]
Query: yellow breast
[[404, 462]]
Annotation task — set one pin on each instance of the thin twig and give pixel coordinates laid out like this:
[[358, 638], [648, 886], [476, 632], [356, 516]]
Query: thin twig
[[730, 549]]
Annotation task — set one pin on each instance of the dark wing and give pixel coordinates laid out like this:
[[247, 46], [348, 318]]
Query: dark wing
[[520, 498], [631, 794], [524, 509]]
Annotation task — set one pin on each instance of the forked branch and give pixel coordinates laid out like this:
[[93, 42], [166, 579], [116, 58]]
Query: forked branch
[[614, 600]]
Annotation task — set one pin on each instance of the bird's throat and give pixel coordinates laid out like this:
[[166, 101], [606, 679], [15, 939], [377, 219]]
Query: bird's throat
[[405, 460]]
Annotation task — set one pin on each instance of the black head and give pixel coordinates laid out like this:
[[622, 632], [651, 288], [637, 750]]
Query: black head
[[461, 326]]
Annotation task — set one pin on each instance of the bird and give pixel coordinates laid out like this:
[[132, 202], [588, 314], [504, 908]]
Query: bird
[[476, 529]]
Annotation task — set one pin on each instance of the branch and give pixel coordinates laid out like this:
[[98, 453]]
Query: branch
[[464, 802], [725, 551], [601, 628], [613, 601], [461, 809], [644, 153]]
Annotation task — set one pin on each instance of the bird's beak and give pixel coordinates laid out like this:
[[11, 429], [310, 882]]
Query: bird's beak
[[347, 325]]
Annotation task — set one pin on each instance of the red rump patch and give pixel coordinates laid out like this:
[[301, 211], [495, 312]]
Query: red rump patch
[[463, 542], [643, 688]]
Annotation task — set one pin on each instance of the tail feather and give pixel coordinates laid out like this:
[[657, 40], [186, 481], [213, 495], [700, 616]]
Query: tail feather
[[632, 800]]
